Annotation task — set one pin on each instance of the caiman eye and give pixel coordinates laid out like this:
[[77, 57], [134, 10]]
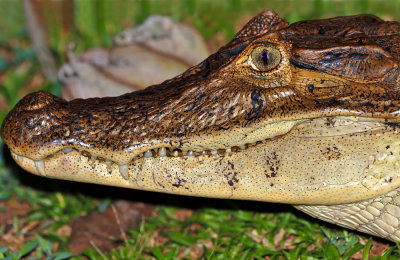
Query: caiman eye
[[265, 58]]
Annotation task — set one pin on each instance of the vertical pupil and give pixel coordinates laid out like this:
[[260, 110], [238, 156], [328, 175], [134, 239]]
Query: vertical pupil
[[265, 57]]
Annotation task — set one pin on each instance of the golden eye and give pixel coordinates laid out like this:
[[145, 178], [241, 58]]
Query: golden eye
[[265, 58]]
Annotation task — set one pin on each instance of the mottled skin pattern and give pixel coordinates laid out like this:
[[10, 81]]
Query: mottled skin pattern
[[305, 114]]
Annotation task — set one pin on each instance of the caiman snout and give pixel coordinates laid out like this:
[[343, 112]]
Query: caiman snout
[[28, 125]]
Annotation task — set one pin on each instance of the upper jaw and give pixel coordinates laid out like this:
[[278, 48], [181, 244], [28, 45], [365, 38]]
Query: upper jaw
[[37, 131]]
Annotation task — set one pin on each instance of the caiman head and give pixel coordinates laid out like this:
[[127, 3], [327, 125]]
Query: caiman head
[[305, 114]]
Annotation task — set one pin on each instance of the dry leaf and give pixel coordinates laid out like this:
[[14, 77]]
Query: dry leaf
[[149, 54]]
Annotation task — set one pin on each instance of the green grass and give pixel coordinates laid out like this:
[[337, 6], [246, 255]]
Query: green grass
[[219, 229]]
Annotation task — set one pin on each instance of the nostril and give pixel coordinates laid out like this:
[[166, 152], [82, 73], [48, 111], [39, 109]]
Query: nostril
[[37, 100]]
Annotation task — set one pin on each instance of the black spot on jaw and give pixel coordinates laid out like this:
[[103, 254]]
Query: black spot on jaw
[[388, 180], [179, 182], [232, 179], [231, 175], [330, 122], [331, 153], [231, 164], [273, 166]]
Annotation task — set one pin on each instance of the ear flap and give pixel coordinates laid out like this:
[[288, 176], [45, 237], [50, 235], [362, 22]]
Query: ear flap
[[368, 63], [265, 22]]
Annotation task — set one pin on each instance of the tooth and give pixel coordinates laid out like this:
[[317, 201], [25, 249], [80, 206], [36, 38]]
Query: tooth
[[214, 152], [40, 167], [228, 150], [242, 147], [123, 170], [176, 153], [67, 150], [204, 153], [136, 158], [162, 152], [19, 158], [148, 154], [93, 158], [190, 153], [108, 163]]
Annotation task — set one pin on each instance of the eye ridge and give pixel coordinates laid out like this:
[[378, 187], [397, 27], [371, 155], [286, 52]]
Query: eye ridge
[[265, 58]]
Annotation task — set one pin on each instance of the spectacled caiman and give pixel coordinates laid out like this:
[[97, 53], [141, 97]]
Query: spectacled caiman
[[306, 114]]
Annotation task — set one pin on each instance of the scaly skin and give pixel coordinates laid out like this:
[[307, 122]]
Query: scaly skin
[[305, 114]]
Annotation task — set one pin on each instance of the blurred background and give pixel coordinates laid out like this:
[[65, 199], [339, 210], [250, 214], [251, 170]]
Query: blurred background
[[35, 36]]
